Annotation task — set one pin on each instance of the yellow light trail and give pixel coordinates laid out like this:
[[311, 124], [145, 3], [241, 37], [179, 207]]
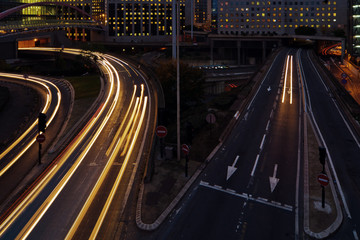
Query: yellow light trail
[[119, 177], [44, 110], [286, 74], [104, 173], [130, 126], [129, 136], [37, 189], [291, 78], [122, 123], [288, 71], [51, 198]]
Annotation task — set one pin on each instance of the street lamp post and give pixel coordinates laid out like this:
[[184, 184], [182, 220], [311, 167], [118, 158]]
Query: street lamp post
[[178, 77]]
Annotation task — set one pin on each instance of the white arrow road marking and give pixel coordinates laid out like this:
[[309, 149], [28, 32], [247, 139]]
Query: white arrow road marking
[[273, 180], [231, 169]]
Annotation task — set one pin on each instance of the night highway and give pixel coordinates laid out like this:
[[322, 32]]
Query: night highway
[[252, 188], [72, 198]]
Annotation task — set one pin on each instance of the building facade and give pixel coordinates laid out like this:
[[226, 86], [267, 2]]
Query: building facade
[[264, 17], [202, 12], [355, 28], [59, 12], [141, 20]]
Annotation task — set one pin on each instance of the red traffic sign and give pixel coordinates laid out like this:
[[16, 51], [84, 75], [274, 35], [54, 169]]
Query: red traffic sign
[[161, 131], [40, 138], [185, 149], [323, 179]]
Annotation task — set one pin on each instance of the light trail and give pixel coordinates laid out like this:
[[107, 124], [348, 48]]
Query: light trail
[[124, 140], [110, 198], [41, 82], [286, 74], [120, 142], [36, 191], [57, 190], [288, 71], [291, 79]]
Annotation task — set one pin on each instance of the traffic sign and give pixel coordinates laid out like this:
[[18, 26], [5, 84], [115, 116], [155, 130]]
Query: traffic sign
[[161, 131], [185, 149], [40, 138], [210, 118], [343, 75], [323, 179]]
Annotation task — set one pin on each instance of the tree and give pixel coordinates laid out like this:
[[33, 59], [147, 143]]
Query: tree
[[339, 32], [191, 85], [305, 30]]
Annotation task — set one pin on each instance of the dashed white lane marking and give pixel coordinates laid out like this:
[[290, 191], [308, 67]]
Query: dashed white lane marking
[[355, 235], [256, 162], [262, 142], [267, 126], [272, 113], [249, 197]]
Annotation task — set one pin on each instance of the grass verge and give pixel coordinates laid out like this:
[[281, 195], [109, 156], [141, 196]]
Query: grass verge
[[87, 89]]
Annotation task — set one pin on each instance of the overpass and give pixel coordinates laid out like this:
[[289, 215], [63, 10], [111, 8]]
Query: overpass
[[27, 29], [259, 46]]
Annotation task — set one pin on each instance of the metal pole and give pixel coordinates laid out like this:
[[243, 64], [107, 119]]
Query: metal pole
[[186, 165], [161, 148], [39, 153], [174, 21], [192, 20], [178, 78], [323, 197]]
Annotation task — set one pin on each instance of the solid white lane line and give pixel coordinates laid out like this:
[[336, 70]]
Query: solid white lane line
[[249, 197]]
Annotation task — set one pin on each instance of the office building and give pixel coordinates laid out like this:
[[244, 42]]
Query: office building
[[265, 17], [141, 20]]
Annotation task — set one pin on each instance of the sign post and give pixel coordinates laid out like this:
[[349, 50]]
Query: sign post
[[161, 132], [185, 149], [40, 139], [210, 118]]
